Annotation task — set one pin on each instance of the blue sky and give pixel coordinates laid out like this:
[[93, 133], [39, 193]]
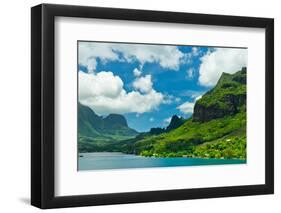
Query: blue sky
[[150, 83]]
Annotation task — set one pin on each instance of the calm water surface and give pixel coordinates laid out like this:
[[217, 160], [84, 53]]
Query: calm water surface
[[116, 160]]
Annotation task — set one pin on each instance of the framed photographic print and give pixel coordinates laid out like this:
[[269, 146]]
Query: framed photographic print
[[139, 106]]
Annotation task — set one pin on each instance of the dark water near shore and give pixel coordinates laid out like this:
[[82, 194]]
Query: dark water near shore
[[116, 160]]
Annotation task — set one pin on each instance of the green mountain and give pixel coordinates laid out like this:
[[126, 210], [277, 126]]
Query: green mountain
[[226, 98], [89, 123], [217, 128], [95, 131]]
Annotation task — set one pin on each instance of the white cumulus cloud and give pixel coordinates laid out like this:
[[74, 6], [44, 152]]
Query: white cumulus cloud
[[186, 107], [143, 84], [100, 84], [137, 72], [228, 60], [88, 52], [167, 56], [104, 93]]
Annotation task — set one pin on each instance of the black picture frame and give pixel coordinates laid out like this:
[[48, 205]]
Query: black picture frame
[[43, 102]]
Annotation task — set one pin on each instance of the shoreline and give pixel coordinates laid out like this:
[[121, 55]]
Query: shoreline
[[80, 154]]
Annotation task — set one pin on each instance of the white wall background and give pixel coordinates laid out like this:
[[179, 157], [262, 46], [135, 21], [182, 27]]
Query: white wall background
[[15, 106]]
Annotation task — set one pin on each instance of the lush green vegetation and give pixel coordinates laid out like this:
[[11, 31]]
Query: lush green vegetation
[[191, 139], [228, 147]]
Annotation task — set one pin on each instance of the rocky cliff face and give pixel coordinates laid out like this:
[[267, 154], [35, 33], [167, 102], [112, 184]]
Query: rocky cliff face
[[228, 97], [207, 113]]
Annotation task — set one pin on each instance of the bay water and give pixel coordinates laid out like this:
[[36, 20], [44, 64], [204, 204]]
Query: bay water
[[116, 160]]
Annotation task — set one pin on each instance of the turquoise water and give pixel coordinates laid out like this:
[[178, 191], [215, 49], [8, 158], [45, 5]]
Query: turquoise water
[[116, 160]]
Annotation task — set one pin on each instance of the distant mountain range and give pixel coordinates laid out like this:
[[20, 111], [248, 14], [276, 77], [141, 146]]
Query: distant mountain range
[[94, 130], [217, 128], [92, 125]]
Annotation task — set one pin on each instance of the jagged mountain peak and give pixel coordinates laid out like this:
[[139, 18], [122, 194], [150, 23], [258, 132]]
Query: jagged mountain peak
[[175, 123]]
